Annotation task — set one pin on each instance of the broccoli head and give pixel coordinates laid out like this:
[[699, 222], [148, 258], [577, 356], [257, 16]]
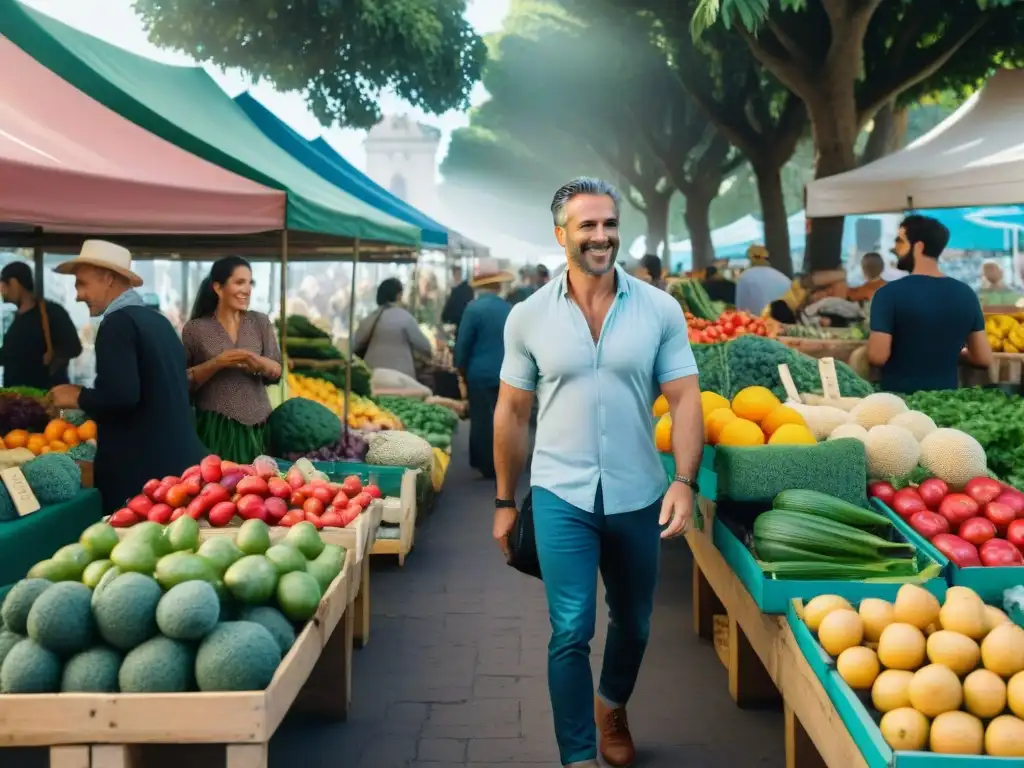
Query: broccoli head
[[299, 425], [53, 477]]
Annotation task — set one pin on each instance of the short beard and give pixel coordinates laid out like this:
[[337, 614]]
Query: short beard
[[576, 256], [905, 263]]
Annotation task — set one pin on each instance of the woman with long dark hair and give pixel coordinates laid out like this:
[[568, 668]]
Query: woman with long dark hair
[[232, 355]]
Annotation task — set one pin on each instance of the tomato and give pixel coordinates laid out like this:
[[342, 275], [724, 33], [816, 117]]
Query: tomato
[[140, 505], [958, 507], [331, 519], [906, 502], [221, 514], [977, 530], [960, 552], [193, 484], [983, 489], [928, 524], [210, 469], [276, 509], [882, 491], [313, 506], [294, 516], [177, 495], [1000, 514], [932, 491], [123, 518], [297, 499], [323, 494], [373, 490], [150, 488], [160, 513], [1014, 499], [352, 485], [193, 470], [1015, 534], [317, 522], [996, 552]]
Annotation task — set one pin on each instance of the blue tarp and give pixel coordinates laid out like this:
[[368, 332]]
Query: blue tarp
[[319, 157]]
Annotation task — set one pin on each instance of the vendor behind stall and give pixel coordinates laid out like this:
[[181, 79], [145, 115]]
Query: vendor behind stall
[[232, 355], [760, 284], [140, 399]]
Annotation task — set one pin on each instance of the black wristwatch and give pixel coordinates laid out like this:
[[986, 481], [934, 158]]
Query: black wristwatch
[[505, 504], [687, 481]]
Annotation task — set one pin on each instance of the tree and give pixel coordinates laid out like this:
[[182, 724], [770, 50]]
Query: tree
[[849, 59], [340, 53]]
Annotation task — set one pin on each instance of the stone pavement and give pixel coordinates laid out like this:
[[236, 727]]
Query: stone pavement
[[454, 675]]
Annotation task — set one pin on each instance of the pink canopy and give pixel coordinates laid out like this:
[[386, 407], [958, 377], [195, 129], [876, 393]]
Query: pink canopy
[[69, 164]]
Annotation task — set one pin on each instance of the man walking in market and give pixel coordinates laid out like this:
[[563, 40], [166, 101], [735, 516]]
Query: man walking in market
[[590, 345]]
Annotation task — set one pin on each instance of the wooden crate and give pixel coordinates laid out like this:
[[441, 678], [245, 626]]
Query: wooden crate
[[133, 730], [838, 349], [407, 527], [87, 473]]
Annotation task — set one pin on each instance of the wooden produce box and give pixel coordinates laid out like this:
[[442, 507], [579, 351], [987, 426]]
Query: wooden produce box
[[838, 349], [407, 506], [87, 473], [130, 730]]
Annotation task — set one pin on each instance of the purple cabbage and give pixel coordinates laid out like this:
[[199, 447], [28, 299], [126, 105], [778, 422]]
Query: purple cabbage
[[18, 412]]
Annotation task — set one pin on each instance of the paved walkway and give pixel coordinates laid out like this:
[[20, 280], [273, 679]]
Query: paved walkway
[[454, 675]]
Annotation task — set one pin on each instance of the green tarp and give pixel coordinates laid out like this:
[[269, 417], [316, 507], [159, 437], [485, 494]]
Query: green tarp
[[186, 107]]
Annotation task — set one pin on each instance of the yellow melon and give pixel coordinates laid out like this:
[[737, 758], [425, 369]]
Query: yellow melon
[[904, 729], [965, 615], [891, 690], [915, 606], [956, 733], [1002, 650], [821, 606], [754, 403], [792, 434], [781, 415], [877, 614], [840, 630], [935, 689], [709, 403], [984, 694], [858, 666], [1015, 694], [994, 617], [660, 407], [715, 423], [901, 646], [953, 650], [1005, 737], [741, 431]]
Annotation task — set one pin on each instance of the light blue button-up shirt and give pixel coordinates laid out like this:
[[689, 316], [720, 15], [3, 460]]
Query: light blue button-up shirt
[[594, 419]]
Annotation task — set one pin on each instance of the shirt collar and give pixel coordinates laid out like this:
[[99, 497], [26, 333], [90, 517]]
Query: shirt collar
[[129, 298], [622, 282]]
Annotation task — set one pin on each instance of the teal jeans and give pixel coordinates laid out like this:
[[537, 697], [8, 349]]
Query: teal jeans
[[573, 545]]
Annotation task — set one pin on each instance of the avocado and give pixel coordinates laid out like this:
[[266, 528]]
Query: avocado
[[19, 601], [74, 553], [108, 576], [125, 610], [151, 533], [179, 567], [99, 539], [135, 555], [61, 619], [304, 537], [159, 665], [251, 580], [221, 552], [326, 568], [275, 623], [7, 641], [286, 558], [30, 668], [94, 572], [253, 538], [183, 534], [188, 611], [237, 656], [56, 570], [298, 594], [91, 671]]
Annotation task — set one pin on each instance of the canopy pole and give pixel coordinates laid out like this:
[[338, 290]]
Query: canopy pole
[[283, 316], [351, 338]]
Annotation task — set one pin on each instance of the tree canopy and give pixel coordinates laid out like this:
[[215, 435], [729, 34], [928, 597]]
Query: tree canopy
[[341, 54]]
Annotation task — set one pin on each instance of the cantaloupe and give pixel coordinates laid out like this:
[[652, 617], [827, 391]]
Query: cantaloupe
[[965, 615], [956, 733], [819, 607], [877, 409], [953, 456], [891, 690], [1004, 737], [1002, 650], [854, 431], [822, 419], [953, 650], [891, 452], [876, 614], [858, 666], [915, 606], [901, 646], [1015, 694], [935, 689], [920, 425], [904, 729], [839, 630], [984, 694]]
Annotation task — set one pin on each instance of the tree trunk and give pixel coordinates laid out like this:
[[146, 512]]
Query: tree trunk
[[887, 135], [656, 213], [773, 211], [698, 222]]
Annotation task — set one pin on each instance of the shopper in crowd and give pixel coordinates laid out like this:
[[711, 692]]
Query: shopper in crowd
[[760, 284], [479, 351], [458, 299], [525, 288], [232, 356], [994, 290], [140, 398], [41, 341], [590, 346], [541, 276], [718, 287], [872, 265], [923, 325], [650, 264], [390, 337]]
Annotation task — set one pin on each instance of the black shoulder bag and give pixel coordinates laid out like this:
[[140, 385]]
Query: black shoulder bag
[[522, 541]]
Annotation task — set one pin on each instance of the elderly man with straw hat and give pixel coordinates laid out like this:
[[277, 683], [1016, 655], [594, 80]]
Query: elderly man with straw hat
[[479, 350], [140, 397], [761, 284]]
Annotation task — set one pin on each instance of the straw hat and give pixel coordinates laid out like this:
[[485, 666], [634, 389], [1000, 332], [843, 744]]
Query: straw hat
[[757, 254], [487, 273], [104, 255]]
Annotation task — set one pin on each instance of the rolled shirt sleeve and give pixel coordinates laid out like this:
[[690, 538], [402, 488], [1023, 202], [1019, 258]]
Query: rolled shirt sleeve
[[675, 359], [518, 368]]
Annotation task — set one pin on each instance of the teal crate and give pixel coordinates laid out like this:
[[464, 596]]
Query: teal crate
[[988, 582], [706, 478], [861, 721], [773, 596], [388, 479]]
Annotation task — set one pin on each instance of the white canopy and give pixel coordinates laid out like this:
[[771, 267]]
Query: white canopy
[[975, 157]]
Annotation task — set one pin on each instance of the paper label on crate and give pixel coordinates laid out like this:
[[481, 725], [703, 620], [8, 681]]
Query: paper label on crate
[[829, 379], [788, 384], [25, 502]]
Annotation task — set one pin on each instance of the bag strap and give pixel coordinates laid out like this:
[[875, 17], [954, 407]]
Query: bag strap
[[47, 338], [373, 327]]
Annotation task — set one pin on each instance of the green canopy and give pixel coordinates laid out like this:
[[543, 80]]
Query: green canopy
[[186, 107]]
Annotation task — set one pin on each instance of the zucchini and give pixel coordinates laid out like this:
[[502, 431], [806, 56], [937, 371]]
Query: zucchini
[[829, 507], [887, 569], [819, 534], [774, 551]]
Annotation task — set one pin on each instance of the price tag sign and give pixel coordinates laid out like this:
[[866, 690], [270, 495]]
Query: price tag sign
[[25, 502], [788, 384], [829, 379]]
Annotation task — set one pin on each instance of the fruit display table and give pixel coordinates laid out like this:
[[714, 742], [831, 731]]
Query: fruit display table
[[400, 509], [838, 349]]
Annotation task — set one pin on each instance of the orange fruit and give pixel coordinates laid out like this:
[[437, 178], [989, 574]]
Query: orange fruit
[[754, 403], [59, 446], [792, 434], [663, 434], [44, 449], [660, 407], [55, 429], [782, 414], [715, 423], [16, 438], [87, 431], [741, 432], [711, 402], [70, 437], [2, 444], [35, 443]]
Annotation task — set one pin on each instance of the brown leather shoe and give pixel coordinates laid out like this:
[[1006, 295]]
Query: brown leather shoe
[[615, 742]]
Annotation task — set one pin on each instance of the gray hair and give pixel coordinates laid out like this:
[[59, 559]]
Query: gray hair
[[584, 185]]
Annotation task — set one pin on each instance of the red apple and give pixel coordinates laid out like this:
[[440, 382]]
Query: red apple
[[958, 507], [932, 491], [230, 480], [296, 500], [961, 553], [999, 552], [906, 502], [1000, 514], [928, 524], [977, 530], [276, 508], [252, 484], [983, 489], [1013, 499]]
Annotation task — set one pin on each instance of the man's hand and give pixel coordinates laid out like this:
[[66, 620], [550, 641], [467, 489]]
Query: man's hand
[[504, 519], [676, 510], [65, 395]]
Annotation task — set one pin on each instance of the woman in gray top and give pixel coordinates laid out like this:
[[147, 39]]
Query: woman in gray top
[[389, 336], [232, 355]]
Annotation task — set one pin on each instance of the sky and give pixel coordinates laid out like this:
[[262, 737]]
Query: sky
[[116, 22]]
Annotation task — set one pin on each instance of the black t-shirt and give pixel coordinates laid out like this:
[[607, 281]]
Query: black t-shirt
[[24, 346], [721, 290]]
